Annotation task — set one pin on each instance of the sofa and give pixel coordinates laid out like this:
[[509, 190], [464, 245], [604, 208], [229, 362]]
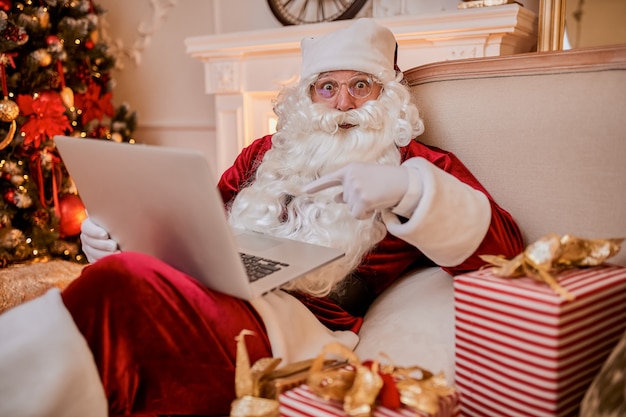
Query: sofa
[[544, 132]]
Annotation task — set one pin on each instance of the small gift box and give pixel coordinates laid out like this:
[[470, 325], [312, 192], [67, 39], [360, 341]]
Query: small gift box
[[342, 386], [525, 348]]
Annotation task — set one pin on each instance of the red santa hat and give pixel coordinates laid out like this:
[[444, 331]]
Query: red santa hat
[[363, 46]]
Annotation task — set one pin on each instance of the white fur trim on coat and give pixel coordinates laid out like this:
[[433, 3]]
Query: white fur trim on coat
[[450, 219], [295, 334]]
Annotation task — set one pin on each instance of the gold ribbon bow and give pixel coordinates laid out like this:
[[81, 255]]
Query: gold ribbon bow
[[551, 254], [343, 378], [247, 383], [355, 384], [358, 386]]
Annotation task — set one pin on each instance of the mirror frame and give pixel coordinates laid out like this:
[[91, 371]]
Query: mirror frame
[[551, 25]]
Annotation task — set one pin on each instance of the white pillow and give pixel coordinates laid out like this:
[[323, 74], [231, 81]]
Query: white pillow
[[46, 367], [412, 322]]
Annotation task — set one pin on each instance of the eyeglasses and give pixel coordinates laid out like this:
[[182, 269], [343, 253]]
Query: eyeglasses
[[358, 87]]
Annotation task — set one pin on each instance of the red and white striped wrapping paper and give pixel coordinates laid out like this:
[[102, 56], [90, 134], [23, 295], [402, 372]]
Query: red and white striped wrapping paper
[[522, 350], [302, 402]]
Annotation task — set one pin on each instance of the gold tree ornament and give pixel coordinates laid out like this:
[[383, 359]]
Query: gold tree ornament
[[8, 138], [43, 17], [42, 57], [9, 110], [67, 96]]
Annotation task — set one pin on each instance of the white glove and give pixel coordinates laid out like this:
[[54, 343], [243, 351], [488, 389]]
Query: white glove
[[367, 187], [96, 242]]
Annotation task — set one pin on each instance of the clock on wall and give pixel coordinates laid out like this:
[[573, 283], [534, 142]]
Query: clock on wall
[[299, 12]]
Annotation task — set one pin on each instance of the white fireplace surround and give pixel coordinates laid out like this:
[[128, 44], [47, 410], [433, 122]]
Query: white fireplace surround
[[244, 70]]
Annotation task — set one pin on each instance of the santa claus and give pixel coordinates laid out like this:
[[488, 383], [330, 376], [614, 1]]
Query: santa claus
[[343, 169]]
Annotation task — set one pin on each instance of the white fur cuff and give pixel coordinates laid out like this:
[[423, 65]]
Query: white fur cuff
[[450, 220]]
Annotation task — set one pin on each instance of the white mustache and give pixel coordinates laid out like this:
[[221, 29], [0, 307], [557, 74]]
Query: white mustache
[[329, 120]]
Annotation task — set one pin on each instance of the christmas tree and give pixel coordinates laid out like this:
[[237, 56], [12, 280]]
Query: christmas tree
[[55, 73]]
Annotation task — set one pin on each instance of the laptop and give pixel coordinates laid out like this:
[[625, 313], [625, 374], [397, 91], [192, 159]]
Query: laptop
[[164, 202]]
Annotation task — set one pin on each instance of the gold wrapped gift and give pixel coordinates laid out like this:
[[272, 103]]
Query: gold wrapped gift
[[552, 254], [335, 374]]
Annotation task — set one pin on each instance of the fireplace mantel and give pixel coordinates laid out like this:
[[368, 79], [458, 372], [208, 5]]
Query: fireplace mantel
[[244, 70]]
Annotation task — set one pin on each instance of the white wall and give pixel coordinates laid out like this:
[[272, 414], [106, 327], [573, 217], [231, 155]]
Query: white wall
[[165, 86]]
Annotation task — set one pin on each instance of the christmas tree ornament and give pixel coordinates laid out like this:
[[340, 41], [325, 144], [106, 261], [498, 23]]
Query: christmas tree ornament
[[72, 213], [66, 93], [43, 17], [67, 96], [8, 138], [42, 57], [9, 110], [9, 196], [11, 35], [11, 238], [52, 40], [23, 200], [17, 180], [94, 36]]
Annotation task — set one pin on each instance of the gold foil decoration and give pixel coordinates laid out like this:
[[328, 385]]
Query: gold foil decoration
[[249, 406], [420, 389], [247, 383], [358, 386], [354, 384], [344, 379], [552, 254], [332, 384], [360, 398]]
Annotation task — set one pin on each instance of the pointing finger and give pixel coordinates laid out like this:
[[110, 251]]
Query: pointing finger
[[322, 183]]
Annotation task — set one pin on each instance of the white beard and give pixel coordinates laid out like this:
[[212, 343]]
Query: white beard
[[309, 143]]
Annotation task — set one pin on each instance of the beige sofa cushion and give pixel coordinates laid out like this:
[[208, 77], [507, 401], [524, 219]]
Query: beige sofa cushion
[[545, 133]]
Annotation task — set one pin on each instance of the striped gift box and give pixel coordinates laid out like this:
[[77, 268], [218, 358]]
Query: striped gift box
[[302, 402], [522, 350]]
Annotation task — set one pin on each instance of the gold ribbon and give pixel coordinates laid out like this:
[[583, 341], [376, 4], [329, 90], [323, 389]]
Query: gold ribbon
[[343, 378], [552, 254], [355, 384], [358, 386], [247, 383]]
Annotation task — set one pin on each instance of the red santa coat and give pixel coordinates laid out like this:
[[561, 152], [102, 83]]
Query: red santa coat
[[393, 255]]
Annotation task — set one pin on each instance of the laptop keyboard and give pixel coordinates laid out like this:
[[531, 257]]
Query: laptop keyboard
[[258, 267]]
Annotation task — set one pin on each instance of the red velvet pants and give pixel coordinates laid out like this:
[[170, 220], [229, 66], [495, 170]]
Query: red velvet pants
[[163, 344]]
